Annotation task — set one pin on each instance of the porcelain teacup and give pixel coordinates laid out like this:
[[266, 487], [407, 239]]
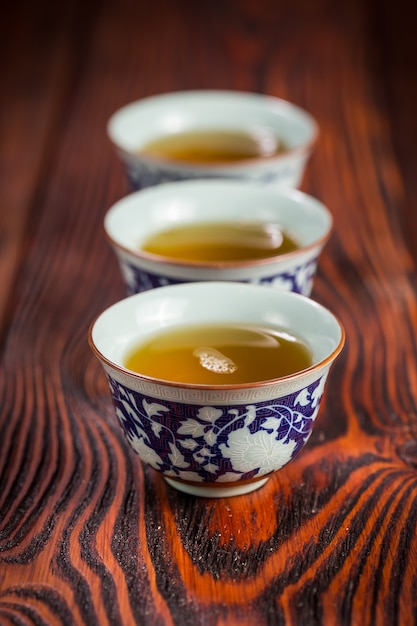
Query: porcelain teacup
[[135, 218], [216, 440], [134, 126]]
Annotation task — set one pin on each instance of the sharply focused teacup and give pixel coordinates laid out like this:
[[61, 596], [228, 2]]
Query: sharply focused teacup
[[226, 438], [221, 210], [212, 133]]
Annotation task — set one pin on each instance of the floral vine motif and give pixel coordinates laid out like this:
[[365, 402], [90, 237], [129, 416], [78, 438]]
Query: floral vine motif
[[141, 174], [138, 280], [300, 280], [216, 444]]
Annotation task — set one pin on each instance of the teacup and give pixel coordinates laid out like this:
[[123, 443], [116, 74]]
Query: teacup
[[265, 118], [136, 217], [216, 440]]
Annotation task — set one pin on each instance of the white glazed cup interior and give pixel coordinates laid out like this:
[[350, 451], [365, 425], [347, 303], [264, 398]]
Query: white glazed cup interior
[[134, 125], [134, 218], [136, 318]]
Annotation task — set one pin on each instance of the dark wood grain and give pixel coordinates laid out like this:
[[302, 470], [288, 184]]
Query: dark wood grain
[[87, 534]]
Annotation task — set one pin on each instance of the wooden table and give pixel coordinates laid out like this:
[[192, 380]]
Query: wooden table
[[89, 536]]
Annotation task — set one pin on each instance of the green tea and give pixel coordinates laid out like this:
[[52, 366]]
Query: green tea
[[220, 241], [214, 146], [220, 355]]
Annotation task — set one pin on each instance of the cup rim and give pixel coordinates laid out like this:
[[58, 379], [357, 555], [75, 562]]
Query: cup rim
[[228, 387], [287, 192], [263, 98]]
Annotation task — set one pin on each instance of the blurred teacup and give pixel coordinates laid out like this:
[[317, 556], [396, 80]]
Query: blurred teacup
[[256, 213], [219, 439], [212, 133]]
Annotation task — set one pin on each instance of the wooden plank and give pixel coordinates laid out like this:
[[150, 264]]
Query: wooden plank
[[39, 64]]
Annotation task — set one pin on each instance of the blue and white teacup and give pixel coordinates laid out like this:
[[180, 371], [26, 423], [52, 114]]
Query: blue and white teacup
[[134, 218], [216, 440], [133, 126]]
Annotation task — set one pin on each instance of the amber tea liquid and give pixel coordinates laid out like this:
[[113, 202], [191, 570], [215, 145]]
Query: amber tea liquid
[[220, 355], [214, 146], [220, 241]]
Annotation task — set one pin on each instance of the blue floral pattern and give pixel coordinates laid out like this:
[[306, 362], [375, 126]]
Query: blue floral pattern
[[141, 175], [299, 280], [219, 444]]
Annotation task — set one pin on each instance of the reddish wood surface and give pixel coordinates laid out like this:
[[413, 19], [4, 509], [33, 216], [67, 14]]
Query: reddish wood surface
[[87, 535]]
